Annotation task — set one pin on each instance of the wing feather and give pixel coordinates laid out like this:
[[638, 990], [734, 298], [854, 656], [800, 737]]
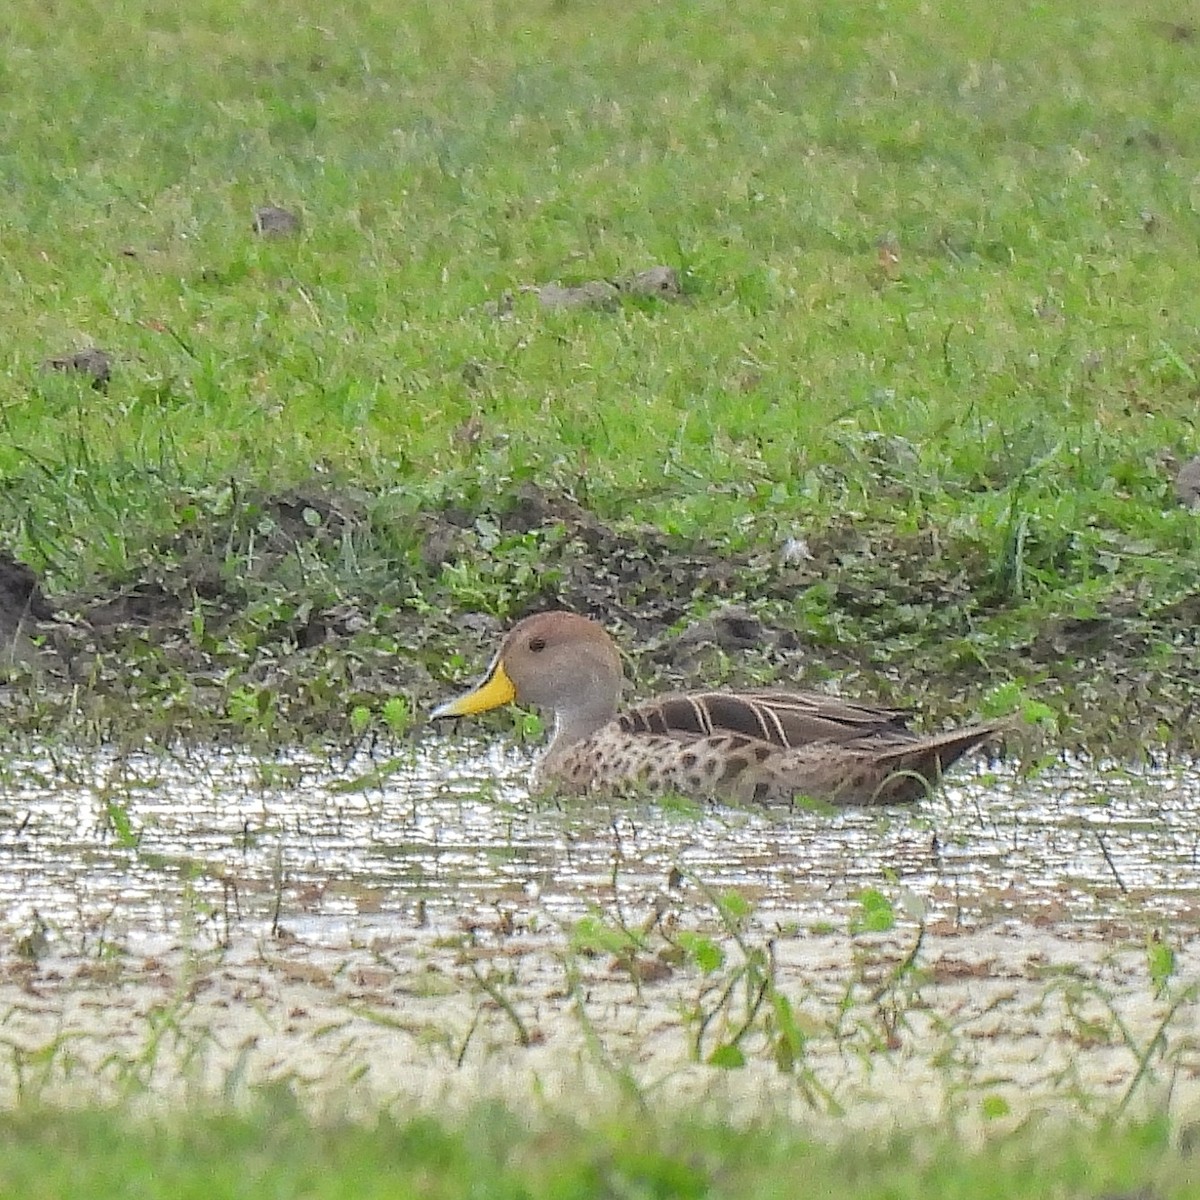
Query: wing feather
[[783, 719]]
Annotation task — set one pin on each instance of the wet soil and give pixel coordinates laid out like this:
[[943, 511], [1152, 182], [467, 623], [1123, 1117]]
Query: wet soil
[[311, 602], [994, 1027]]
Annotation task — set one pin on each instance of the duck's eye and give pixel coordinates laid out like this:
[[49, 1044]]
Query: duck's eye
[[537, 643]]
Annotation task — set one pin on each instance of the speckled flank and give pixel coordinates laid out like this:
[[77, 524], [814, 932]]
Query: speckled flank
[[750, 770]]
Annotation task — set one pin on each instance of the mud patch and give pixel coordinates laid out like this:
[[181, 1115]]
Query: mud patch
[[92, 364], [272, 221], [652, 284], [23, 607]]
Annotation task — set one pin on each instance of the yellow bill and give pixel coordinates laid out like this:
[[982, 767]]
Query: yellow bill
[[496, 690]]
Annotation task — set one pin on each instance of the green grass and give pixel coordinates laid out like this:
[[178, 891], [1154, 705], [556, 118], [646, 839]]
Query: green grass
[[494, 1153], [441, 156], [1001, 404]]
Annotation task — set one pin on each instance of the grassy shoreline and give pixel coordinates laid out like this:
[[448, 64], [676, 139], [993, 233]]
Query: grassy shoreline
[[290, 618]]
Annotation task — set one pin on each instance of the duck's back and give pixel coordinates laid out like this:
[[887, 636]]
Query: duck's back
[[784, 720]]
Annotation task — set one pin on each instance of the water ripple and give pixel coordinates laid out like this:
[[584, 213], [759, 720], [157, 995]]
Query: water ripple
[[138, 849]]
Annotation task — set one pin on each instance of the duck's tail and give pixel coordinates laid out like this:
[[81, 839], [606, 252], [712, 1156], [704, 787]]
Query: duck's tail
[[916, 768]]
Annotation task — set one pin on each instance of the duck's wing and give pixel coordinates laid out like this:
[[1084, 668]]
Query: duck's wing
[[786, 720]]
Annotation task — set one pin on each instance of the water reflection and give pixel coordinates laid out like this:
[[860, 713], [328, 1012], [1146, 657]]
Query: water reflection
[[143, 850]]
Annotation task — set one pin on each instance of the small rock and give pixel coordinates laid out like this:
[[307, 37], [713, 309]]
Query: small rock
[[794, 551], [598, 294], [92, 362], [20, 590], [500, 309], [271, 221], [469, 432], [482, 625], [1187, 484], [661, 282], [732, 628]]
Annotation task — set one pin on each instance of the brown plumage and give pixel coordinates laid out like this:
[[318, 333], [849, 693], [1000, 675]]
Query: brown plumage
[[764, 745]]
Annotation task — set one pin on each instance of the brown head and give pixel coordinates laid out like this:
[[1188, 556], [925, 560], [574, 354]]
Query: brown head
[[557, 661]]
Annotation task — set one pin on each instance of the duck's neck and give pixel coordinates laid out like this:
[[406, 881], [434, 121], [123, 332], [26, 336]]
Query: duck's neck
[[572, 727]]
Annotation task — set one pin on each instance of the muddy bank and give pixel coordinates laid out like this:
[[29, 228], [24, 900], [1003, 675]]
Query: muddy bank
[[275, 616]]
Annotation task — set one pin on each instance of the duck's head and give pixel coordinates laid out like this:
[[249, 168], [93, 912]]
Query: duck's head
[[557, 661]]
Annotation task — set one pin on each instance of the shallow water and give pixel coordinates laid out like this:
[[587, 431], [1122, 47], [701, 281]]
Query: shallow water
[[401, 928], [125, 848]]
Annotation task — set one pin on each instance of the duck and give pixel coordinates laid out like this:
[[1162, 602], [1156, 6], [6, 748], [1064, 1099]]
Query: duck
[[761, 746]]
